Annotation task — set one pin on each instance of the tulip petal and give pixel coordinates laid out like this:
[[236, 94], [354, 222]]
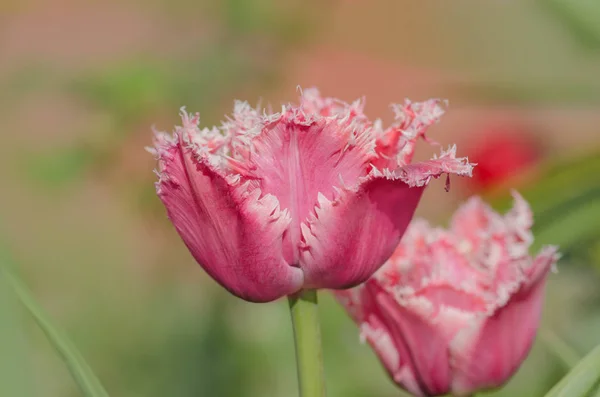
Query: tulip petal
[[390, 347], [423, 342], [235, 234], [471, 220], [419, 174], [296, 160], [396, 145], [495, 348], [349, 238]]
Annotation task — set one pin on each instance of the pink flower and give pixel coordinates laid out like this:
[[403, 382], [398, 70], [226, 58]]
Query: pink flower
[[315, 196], [456, 311]]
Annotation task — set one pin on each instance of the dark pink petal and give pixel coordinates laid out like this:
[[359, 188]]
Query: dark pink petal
[[495, 349], [235, 235], [362, 304], [351, 237], [296, 160], [422, 344]]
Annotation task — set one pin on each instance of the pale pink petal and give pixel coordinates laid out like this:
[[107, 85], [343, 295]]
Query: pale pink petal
[[471, 221], [352, 300], [312, 102], [427, 263], [351, 237], [410, 263], [543, 262], [415, 117], [496, 244], [505, 249], [447, 294], [475, 221], [236, 238], [419, 174], [501, 342], [519, 221], [396, 145]]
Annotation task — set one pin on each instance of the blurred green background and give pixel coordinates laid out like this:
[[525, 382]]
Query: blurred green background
[[81, 83]]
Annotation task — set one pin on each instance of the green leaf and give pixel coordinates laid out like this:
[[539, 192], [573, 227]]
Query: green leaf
[[79, 369], [581, 380], [15, 375], [580, 18], [595, 393], [561, 349]]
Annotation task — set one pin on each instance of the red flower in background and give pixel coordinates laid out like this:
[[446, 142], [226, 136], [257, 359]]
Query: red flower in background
[[502, 153]]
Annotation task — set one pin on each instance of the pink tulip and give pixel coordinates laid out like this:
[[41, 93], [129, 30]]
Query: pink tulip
[[315, 196], [456, 311]]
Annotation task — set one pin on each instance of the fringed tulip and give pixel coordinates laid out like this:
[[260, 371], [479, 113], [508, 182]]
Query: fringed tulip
[[456, 311], [315, 196]]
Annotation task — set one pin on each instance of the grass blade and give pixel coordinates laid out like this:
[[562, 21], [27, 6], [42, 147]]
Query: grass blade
[[561, 349], [15, 374], [582, 379], [79, 369]]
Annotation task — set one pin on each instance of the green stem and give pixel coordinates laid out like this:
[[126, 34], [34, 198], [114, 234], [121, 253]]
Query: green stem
[[307, 338]]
